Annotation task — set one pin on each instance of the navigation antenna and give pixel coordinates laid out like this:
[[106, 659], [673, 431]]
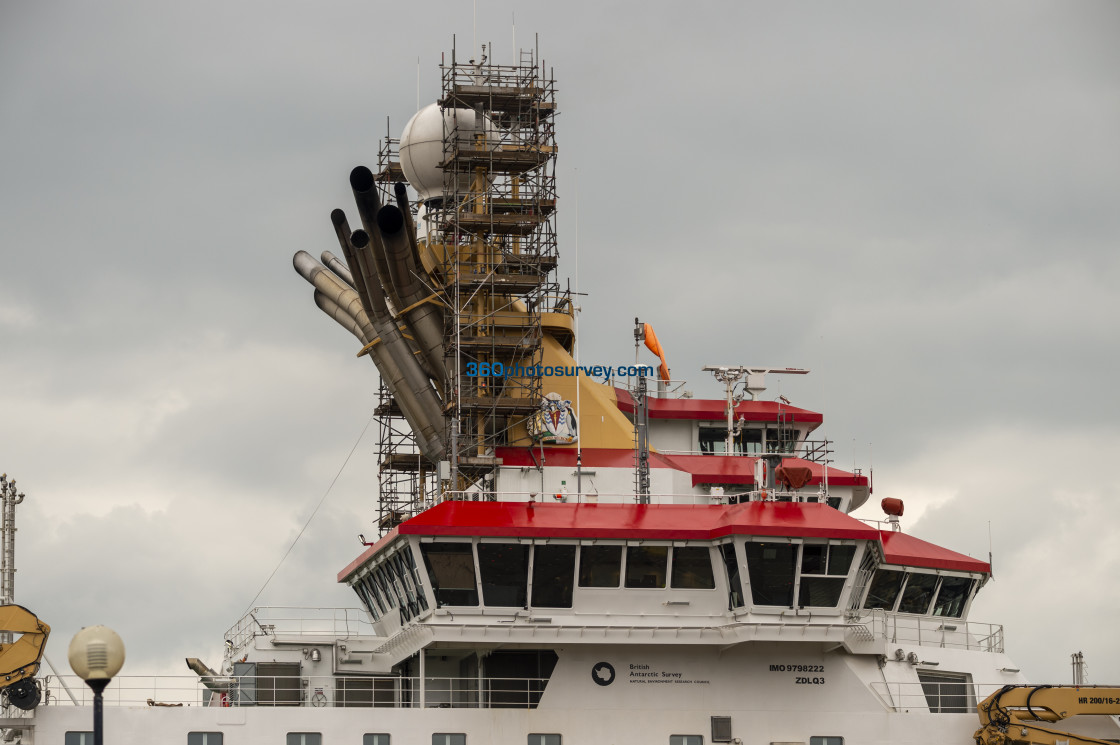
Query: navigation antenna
[[8, 557], [754, 384]]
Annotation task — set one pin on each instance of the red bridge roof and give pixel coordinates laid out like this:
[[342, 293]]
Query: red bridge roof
[[906, 550], [664, 522], [635, 521], [716, 409]]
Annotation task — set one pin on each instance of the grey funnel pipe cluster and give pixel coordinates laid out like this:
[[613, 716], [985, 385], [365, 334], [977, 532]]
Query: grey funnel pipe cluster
[[383, 296]]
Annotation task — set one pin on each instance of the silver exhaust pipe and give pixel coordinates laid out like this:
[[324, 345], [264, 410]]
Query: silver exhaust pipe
[[418, 413], [370, 287], [333, 288], [429, 424], [338, 266], [421, 310], [344, 319]]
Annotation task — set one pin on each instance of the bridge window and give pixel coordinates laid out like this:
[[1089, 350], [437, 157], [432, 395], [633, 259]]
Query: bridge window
[[714, 440], [365, 594], [952, 596], [750, 441], [412, 577], [734, 583], [554, 569], [884, 589], [410, 606], [781, 440], [381, 579], [692, 568], [832, 561], [504, 568], [451, 571], [376, 597], [600, 566], [918, 593], [645, 566], [771, 568]]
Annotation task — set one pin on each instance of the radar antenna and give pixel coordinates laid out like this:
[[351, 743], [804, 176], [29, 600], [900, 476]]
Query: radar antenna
[[755, 384]]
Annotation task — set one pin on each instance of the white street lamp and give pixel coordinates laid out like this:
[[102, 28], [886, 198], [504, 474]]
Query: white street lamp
[[96, 655]]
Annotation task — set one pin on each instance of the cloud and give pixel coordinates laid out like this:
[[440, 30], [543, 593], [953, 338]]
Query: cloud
[[917, 204], [1046, 496], [16, 317]]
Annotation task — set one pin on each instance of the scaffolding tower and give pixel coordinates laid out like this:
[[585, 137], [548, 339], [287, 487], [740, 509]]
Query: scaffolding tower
[[492, 238]]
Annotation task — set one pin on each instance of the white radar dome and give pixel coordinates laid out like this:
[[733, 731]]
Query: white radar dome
[[422, 148]]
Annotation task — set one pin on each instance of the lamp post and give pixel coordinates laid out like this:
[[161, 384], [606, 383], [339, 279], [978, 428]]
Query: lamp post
[[96, 655]]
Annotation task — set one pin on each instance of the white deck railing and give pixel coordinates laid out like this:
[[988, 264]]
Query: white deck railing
[[950, 633], [329, 623], [938, 698], [387, 691], [435, 692]]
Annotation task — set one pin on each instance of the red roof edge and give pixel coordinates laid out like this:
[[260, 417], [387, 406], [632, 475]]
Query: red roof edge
[[365, 555], [714, 408], [906, 550]]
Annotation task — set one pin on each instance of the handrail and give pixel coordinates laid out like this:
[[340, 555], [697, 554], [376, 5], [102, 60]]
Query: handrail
[[627, 497], [933, 631], [389, 691], [272, 620], [936, 697]]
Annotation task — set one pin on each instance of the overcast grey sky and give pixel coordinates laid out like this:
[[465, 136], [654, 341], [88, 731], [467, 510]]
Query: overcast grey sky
[[918, 201]]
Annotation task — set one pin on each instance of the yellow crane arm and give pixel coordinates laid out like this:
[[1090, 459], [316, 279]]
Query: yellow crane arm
[[1008, 715], [1024, 732], [19, 660]]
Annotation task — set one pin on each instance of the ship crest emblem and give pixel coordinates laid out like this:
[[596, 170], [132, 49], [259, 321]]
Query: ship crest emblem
[[554, 422]]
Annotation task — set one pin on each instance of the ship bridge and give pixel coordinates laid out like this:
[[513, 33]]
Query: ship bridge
[[545, 573]]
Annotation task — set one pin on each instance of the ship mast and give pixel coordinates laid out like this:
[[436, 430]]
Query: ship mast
[[10, 499]]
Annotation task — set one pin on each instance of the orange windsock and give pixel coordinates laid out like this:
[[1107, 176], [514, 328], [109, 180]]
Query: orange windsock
[[655, 346], [651, 342]]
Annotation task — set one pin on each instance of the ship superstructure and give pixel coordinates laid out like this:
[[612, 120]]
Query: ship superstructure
[[573, 554]]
